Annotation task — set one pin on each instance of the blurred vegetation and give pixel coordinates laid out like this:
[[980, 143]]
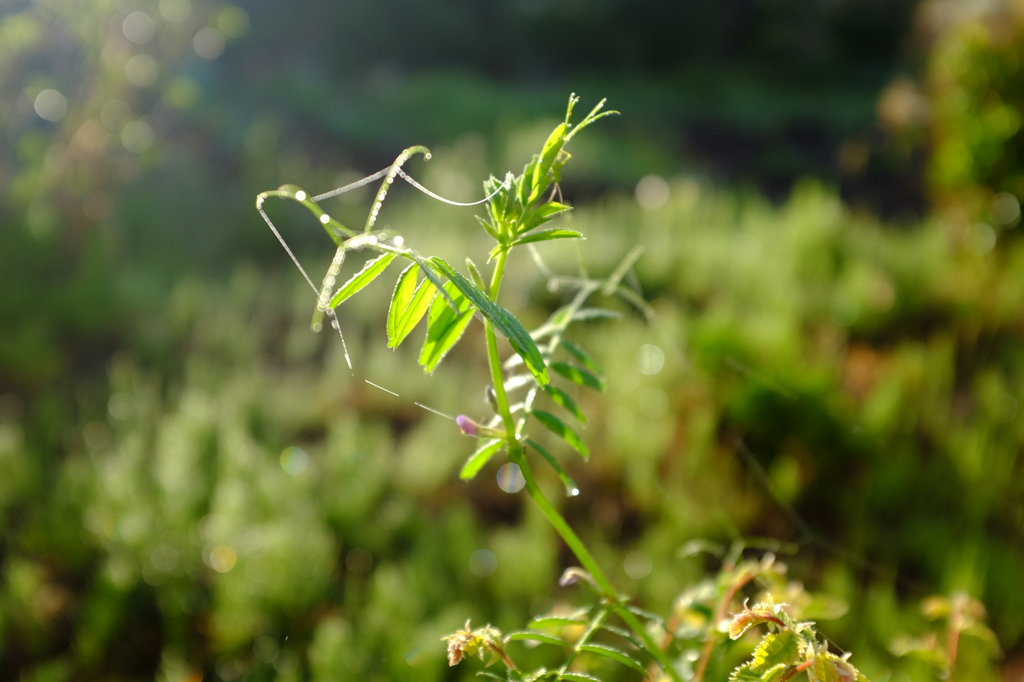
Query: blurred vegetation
[[193, 486]]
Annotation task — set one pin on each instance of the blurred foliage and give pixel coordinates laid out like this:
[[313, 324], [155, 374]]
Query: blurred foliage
[[193, 484]]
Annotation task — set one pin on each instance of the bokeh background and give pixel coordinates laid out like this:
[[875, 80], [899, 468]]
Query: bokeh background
[[194, 486]]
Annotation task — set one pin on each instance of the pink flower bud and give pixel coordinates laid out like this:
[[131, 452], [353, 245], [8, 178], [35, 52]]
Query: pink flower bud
[[466, 425]]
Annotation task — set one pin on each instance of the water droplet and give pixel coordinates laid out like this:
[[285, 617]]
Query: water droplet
[[399, 240], [325, 218], [574, 492], [300, 196], [510, 478]]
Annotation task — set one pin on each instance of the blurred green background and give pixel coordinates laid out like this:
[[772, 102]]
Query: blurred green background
[[194, 486]]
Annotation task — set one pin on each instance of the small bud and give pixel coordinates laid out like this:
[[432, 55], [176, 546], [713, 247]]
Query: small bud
[[467, 425], [573, 575], [492, 398]]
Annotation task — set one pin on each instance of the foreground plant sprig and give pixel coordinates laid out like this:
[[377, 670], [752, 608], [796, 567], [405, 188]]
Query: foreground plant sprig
[[519, 210]]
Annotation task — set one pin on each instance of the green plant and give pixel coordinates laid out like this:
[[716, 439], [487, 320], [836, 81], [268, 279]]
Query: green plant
[[519, 208]]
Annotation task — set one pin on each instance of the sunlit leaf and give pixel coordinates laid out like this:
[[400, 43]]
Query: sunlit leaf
[[548, 235], [479, 458], [571, 489], [409, 304], [558, 427], [445, 326], [535, 636], [579, 677], [556, 622], [577, 375], [616, 655], [370, 271], [582, 356], [502, 320], [562, 398]]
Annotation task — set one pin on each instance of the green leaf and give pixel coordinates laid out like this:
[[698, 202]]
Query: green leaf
[[571, 489], [478, 279], [610, 284], [646, 615], [555, 622], [539, 180], [579, 677], [616, 655], [625, 634], [582, 356], [577, 375], [535, 636], [409, 304], [542, 214], [772, 658], [488, 673], [479, 458], [488, 228], [429, 273], [831, 668], [502, 320], [562, 398], [445, 326], [370, 271], [548, 235], [558, 427]]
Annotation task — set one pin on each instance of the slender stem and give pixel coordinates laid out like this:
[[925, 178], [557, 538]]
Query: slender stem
[[554, 518], [723, 605], [592, 627]]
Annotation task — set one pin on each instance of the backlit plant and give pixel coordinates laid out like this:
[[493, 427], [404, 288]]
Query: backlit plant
[[610, 629]]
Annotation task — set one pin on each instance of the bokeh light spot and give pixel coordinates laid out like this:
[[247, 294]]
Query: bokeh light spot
[[137, 136], [294, 461], [653, 402], [51, 105], [138, 27], [208, 43], [142, 70], [510, 478], [359, 561], [637, 564], [115, 114], [650, 359], [175, 11], [652, 192], [483, 563], [223, 558]]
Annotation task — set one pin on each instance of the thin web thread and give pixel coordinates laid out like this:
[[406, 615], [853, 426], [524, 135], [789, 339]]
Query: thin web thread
[[408, 178], [351, 186]]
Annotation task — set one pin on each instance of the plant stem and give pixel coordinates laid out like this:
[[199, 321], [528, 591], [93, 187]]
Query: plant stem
[[554, 518]]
